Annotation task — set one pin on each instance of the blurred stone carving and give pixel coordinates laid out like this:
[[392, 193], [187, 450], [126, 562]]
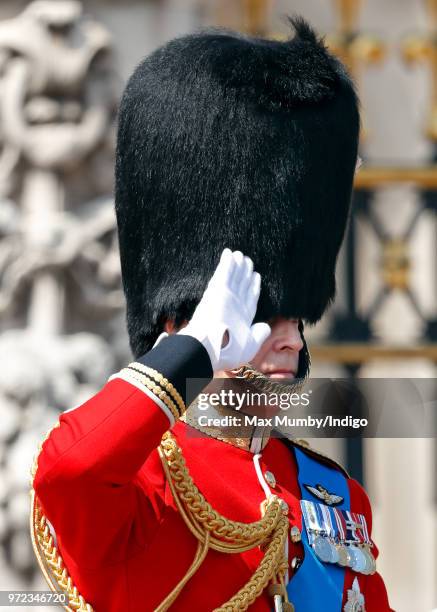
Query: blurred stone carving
[[58, 247]]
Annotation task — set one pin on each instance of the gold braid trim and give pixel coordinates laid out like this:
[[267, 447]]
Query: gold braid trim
[[212, 530], [156, 389], [164, 382], [43, 542], [48, 557]]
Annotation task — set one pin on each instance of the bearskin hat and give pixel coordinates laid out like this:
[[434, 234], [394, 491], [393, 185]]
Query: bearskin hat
[[226, 140]]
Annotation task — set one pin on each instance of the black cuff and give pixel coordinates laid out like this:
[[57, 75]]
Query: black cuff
[[178, 358]]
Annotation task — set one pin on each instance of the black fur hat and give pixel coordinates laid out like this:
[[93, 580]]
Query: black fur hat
[[230, 141]]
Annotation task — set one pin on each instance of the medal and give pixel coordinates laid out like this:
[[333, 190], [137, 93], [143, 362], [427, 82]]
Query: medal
[[371, 558], [330, 554], [330, 531], [344, 557], [368, 544], [316, 532], [368, 567], [320, 544], [310, 519], [323, 549], [358, 560], [334, 553]]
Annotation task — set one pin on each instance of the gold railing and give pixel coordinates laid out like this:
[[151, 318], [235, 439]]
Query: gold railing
[[372, 177], [358, 353]]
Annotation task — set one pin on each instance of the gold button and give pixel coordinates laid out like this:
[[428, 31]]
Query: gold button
[[270, 479], [295, 534], [284, 506]]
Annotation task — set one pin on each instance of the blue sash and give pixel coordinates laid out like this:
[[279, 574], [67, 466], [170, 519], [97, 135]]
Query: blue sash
[[316, 585]]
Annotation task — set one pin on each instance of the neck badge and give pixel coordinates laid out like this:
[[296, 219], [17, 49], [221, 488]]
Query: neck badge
[[355, 599]]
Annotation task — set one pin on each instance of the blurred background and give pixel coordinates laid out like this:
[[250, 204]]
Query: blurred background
[[63, 65]]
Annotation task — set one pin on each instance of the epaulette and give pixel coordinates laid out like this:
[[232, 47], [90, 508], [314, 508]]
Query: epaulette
[[316, 454]]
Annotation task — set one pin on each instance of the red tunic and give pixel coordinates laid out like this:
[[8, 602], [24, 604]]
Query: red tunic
[[102, 486]]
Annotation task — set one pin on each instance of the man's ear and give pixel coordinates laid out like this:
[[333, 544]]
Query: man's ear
[[170, 327]]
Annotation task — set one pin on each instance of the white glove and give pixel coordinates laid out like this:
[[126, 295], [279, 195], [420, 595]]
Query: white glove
[[229, 304]]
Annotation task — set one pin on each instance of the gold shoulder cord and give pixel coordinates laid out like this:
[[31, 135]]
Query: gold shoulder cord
[[48, 557], [212, 530]]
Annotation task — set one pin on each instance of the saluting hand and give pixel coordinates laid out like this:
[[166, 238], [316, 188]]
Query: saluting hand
[[222, 321]]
